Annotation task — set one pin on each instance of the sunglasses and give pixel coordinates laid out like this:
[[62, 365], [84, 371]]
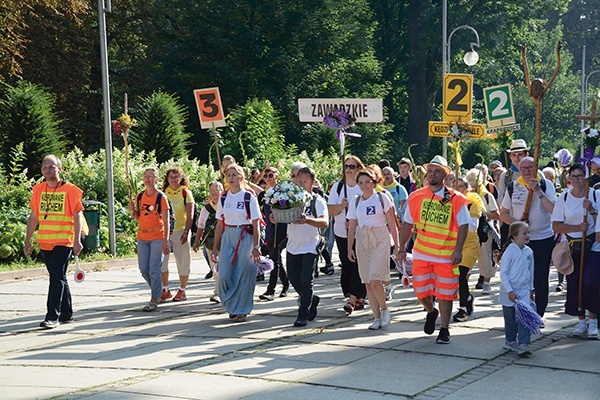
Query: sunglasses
[[268, 175], [350, 166]]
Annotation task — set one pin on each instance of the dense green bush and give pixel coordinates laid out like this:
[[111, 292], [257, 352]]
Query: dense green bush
[[161, 127], [89, 173], [27, 117]]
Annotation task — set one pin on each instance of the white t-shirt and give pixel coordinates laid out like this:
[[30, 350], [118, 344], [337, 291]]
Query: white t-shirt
[[368, 212], [339, 222], [571, 213], [234, 209], [540, 223], [303, 238]]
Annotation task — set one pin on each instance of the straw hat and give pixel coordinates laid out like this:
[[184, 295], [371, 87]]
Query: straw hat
[[404, 160], [517, 145], [439, 161], [561, 258]]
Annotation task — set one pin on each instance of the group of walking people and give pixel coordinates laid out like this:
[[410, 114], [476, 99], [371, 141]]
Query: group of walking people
[[375, 216]]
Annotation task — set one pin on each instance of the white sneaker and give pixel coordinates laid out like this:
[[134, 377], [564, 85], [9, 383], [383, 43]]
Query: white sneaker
[[375, 325], [386, 318], [581, 331], [487, 289], [593, 329], [389, 292]]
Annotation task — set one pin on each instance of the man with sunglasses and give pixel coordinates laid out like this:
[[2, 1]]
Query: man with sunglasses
[[275, 234], [441, 219]]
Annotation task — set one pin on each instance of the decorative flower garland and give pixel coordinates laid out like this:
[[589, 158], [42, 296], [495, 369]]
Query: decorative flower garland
[[340, 120], [590, 137], [123, 124], [459, 132]]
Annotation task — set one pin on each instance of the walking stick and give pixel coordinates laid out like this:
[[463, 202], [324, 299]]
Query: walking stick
[[537, 88], [582, 255]]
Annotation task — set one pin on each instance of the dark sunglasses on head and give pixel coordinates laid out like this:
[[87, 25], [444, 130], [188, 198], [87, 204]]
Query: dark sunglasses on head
[[269, 175], [350, 166]]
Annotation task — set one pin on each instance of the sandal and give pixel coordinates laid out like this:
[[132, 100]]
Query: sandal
[[349, 307], [150, 307], [232, 316], [240, 318], [359, 305]]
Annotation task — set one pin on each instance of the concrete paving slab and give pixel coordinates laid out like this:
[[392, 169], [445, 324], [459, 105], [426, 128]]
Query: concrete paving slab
[[569, 354], [531, 383], [265, 366], [28, 382], [468, 343], [380, 372], [358, 334], [318, 353]]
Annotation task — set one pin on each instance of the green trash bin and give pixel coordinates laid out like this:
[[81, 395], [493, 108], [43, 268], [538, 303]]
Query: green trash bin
[[91, 212]]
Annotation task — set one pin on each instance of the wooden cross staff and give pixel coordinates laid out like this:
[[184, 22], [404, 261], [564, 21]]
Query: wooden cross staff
[[593, 117], [537, 89]]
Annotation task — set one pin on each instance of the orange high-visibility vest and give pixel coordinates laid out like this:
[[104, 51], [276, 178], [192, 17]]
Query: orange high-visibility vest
[[437, 228], [55, 208]]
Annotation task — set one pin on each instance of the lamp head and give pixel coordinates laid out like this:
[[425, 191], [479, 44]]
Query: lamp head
[[471, 57]]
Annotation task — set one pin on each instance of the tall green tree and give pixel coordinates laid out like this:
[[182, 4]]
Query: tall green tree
[[161, 127], [27, 117]]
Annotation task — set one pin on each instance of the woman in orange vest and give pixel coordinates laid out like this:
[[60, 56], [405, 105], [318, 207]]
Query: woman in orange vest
[[152, 212], [56, 207]]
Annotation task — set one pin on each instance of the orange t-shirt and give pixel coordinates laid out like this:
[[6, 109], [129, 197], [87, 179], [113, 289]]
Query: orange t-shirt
[[55, 208], [151, 223]]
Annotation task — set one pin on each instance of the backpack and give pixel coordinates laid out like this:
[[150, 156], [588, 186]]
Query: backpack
[[313, 211], [209, 227], [483, 228], [247, 196], [159, 196], [195, 214]]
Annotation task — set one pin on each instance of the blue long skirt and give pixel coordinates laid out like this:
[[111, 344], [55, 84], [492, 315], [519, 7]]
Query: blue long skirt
[[237, 281]]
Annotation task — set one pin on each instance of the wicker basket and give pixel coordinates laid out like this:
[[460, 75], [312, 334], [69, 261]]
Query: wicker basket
[[287, 215]]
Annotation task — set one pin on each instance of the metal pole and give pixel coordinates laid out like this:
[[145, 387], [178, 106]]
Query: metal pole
[[583, 99], [107, 125], [445, 66]]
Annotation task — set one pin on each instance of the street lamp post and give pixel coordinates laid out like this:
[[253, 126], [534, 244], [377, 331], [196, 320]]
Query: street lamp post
[[470, 58]]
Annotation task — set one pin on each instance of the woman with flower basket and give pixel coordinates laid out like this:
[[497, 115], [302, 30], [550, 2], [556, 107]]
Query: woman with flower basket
[[275, 234], [237, 236], [337, 205], [369, 213]]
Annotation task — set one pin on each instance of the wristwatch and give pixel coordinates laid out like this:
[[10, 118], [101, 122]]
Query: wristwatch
[[541, 195], [257, 247]]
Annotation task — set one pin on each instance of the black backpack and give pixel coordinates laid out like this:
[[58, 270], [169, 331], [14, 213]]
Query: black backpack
[[159, 196], [194, 227], [483, 229], [313, 210]]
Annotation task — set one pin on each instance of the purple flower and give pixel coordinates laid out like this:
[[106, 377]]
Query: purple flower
[[564, 157], [282, 203]]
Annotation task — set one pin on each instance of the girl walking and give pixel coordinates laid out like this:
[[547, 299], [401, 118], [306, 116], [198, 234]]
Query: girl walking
[[516, 274]]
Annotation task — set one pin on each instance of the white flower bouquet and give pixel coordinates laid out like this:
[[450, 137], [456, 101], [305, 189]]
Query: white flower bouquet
[[287, 201]]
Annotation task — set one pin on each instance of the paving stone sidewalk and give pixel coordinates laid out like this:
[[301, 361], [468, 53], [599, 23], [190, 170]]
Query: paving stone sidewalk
[[192, 350]]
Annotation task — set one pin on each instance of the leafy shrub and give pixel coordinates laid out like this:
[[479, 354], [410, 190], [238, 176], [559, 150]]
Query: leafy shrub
[[27, 118]]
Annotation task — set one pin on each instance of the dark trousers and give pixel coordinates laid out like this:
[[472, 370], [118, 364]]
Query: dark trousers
[[300, 271], [542, 254], [349, 279], [278, 270], [59, 305], [463, 285]]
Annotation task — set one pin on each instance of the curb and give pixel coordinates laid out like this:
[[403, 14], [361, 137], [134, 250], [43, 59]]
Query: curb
[[34, 273]]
